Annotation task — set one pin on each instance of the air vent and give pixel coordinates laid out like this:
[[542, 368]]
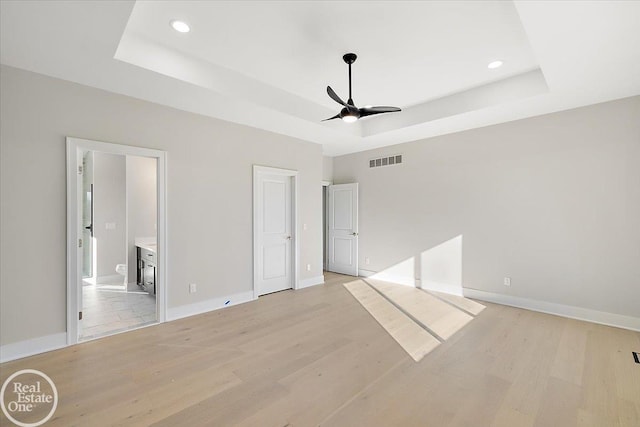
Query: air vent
[[386, 161]]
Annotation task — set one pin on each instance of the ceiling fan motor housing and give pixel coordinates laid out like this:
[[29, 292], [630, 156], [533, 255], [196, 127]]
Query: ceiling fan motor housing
[[349, 112]]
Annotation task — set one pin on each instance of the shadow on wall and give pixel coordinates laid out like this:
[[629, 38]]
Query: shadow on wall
[[438, 268]]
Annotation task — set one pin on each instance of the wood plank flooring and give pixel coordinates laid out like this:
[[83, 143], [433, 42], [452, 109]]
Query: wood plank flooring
[[316, 357], [412, 338], [441, 318]]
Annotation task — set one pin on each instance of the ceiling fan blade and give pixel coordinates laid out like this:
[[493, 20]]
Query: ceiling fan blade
[[335, 97], [337, 116], [369, 111]]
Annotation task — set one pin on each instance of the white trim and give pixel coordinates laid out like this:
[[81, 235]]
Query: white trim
[[257, 170], [401, 280], [325, 230], [33, 346], [311, 281], [74, 146], [572, 312], [174, 313]]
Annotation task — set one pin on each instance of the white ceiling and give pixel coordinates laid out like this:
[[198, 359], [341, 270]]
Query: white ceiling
[[267, 64], [408, 52]]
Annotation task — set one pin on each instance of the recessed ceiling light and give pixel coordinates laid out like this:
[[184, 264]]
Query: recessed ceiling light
[[494, 64], [180, 26]]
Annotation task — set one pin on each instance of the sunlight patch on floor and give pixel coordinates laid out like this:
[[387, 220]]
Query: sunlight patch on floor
[[412, 338], [417, 319]]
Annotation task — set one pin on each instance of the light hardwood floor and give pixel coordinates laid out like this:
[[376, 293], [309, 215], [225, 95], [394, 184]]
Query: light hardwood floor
[[316, 357]]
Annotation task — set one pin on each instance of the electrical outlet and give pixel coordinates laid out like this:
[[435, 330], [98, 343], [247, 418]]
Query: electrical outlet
[[366, 261], [304, 227], [192, 288], [507, 281], [308, 267]]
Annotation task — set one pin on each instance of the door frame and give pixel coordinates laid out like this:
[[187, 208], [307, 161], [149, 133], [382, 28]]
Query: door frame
[[74, 254], [259, 170], [325, 228]]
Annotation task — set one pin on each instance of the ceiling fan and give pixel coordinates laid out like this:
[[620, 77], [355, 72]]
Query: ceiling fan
[[350, 113]]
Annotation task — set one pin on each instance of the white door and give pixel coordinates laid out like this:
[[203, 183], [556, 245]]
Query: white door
[[274, 233], [343, 228]]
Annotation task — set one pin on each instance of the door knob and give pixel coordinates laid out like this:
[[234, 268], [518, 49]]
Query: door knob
[[288, 237], [354, 234]]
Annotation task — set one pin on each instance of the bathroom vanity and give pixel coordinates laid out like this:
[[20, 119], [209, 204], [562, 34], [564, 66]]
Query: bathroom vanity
[[146, 276]]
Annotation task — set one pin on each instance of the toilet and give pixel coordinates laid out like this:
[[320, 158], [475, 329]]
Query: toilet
[[122, 270]]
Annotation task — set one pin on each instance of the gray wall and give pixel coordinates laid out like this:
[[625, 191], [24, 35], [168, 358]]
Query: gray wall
[[552, 202], [109, 207], [327, 168], [142, 208], [209, 181]]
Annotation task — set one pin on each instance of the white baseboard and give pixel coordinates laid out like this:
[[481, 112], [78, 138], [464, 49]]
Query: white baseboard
[[39, 345], [311, 281], [401, 280], [594, 316], [33, 346], [114, 278], [174, 313]]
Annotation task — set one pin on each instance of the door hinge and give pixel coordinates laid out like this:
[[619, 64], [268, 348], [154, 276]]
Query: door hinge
[[79, 315], [79, 243], [80, 170]]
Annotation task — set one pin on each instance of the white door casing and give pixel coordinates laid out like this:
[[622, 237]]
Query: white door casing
[[343, 228], [274, 230], [75, 147]]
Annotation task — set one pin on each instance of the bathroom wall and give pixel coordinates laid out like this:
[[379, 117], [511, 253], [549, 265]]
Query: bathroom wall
[[110, 214], [142, 209]]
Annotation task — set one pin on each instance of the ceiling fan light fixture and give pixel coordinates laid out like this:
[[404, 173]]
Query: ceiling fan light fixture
[[180, 26], [350, 113], [495, 64]]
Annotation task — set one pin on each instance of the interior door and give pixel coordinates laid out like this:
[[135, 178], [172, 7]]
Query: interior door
[[343, 228], [274, 229]]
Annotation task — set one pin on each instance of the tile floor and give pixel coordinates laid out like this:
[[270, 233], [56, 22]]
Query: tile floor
[[107, 309]]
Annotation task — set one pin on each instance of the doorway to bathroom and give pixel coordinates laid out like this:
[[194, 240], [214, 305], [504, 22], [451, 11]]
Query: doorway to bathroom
[[116, 210]]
